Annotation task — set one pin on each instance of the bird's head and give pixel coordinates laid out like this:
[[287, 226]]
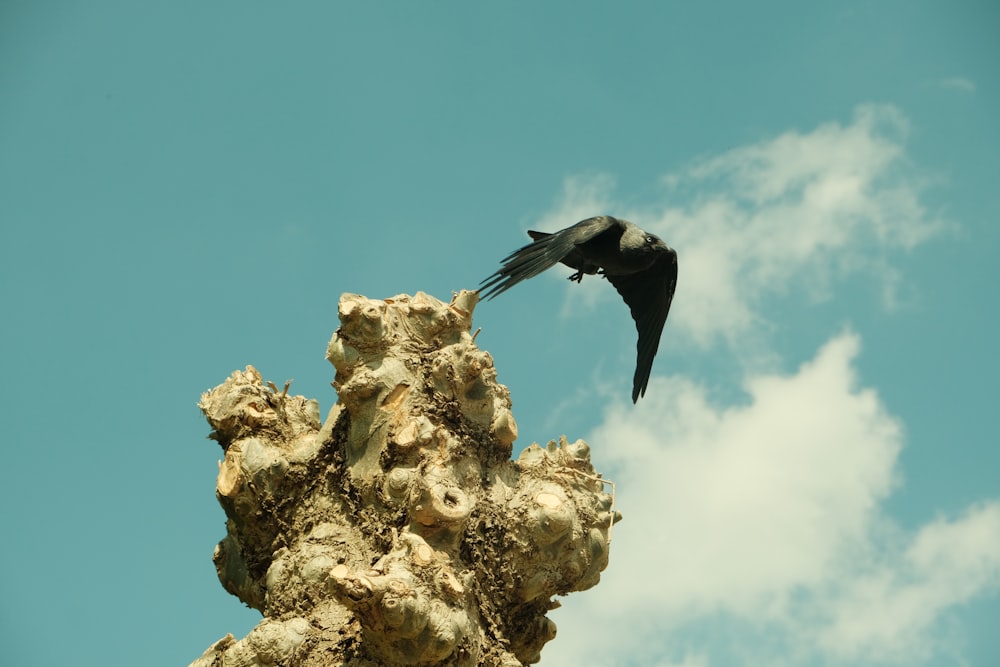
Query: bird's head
[[655, 244]]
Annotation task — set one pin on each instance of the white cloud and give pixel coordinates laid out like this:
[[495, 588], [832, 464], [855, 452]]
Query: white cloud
[[801, 466], [793, 212], [583, 196], [887, 612], [766, 519], [756, 533]]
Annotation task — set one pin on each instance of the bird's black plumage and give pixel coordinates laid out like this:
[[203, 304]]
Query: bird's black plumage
[[640, 266]]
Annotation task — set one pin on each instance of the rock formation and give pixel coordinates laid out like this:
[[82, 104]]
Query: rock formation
[[398, 532]]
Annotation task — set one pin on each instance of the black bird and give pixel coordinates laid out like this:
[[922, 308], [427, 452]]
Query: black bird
[[640, 265]]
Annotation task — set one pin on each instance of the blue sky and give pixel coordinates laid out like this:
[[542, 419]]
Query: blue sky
[[813, 477]]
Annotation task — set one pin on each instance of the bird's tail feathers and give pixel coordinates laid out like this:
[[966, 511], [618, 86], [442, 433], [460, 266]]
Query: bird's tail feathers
[[524, 263]]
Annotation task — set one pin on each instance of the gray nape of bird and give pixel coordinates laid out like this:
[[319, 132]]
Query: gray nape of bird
[[641, 267]]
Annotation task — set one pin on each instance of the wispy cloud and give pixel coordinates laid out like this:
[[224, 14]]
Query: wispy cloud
[[583, 196], [959, 83], [766, 519], [888, 611], [798, 211]]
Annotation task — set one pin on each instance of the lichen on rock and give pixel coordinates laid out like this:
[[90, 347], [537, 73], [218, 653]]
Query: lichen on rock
[[399, 531]]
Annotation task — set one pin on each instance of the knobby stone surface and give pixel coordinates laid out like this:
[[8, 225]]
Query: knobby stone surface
[[398, 531]]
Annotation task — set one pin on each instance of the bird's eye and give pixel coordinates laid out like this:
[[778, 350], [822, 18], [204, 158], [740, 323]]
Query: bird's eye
[[650, 239]]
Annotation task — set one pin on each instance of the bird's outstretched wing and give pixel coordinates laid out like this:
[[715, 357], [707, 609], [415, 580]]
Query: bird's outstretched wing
[[545, 252], [648, 295]]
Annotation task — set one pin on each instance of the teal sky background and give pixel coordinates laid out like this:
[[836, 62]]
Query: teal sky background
[[188, 187]]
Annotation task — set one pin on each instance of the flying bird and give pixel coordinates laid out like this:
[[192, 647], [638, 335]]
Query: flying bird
[[640, 265]]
